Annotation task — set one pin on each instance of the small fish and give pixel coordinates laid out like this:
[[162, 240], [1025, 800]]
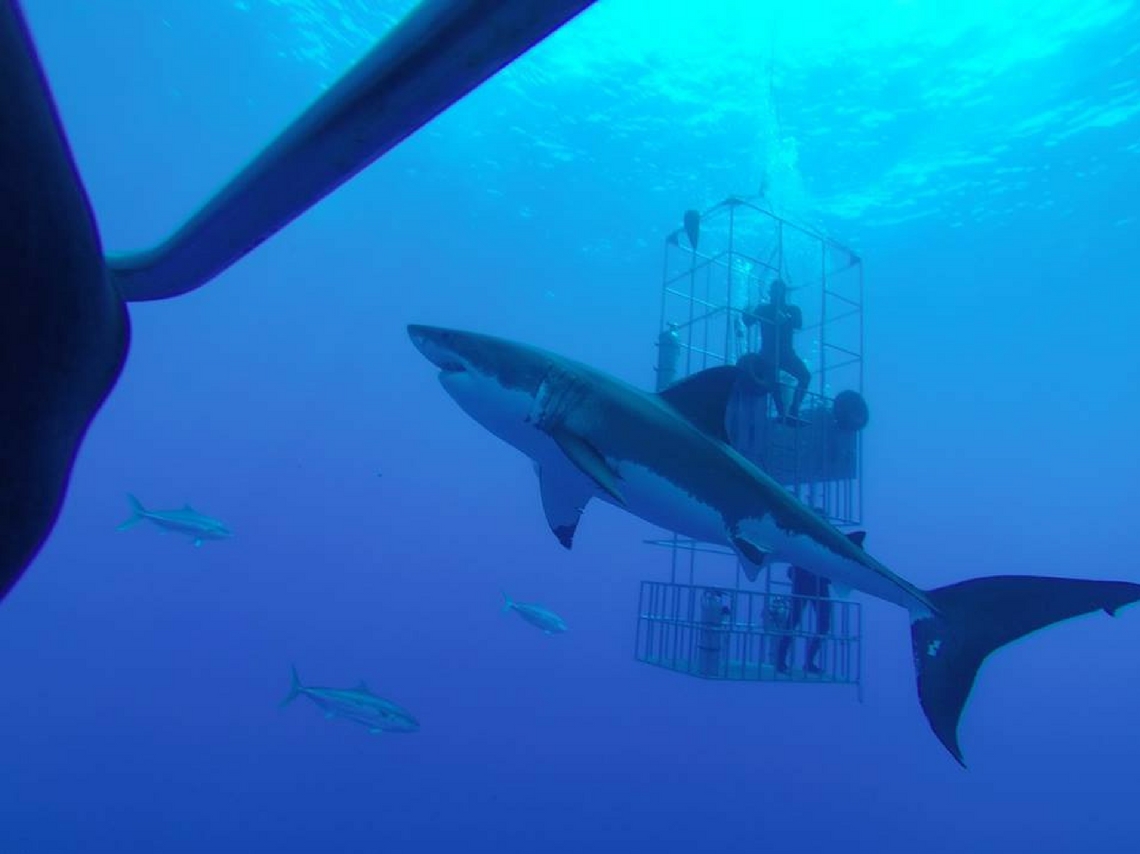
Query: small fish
[[187, 520], [536, 615], [358, 705]]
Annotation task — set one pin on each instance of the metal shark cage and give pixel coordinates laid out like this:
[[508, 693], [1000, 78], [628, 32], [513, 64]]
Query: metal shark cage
[[718, 268]]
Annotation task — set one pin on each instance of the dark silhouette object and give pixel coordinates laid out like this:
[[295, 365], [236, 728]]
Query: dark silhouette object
[[807, 589], [779, 321]]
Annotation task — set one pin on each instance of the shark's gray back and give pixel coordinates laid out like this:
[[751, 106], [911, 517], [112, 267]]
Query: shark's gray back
[[641, 426], [681, 435]]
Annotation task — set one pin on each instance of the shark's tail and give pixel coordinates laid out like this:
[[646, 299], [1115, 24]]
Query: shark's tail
[[295, 688], [976, 617], [138, 513], [507, 603]]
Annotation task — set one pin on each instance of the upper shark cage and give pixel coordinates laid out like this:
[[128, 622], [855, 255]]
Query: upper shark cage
[[718, 273]]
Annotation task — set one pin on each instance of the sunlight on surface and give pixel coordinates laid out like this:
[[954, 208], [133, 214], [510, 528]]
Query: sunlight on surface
[[805, 33], [834, 108]]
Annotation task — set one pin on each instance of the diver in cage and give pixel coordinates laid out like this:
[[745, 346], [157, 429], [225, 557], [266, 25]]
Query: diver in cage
[[807, 588], [779, 320]]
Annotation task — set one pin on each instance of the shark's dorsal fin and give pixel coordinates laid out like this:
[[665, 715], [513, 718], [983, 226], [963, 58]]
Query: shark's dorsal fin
[[857, 537], [363, 687], [588, 461], [703, 398], [565, 492]]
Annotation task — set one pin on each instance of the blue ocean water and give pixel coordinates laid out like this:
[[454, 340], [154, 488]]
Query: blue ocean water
[[982, 158]]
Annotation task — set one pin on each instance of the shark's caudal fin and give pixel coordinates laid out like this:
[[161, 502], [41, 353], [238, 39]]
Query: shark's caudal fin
[[295, 688], [507, 603], [138, 513], [976, 617]]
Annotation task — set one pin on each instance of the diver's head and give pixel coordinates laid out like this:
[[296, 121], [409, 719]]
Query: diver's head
[[777, 290]]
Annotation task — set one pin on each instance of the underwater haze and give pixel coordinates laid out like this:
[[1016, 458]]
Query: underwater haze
[[982, 158]]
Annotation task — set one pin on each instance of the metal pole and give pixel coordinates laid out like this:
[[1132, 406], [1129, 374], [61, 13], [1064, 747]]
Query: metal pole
[[730, 354]]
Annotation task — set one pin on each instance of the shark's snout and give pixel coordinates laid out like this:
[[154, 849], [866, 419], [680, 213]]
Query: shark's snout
[[437, 345]]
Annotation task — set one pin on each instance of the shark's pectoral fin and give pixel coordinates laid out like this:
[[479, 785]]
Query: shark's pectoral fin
[[565, 492], [587, 460], [752, 555]]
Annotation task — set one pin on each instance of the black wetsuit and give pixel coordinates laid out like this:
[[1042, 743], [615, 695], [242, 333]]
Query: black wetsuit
[[805, 583], [777, 329]]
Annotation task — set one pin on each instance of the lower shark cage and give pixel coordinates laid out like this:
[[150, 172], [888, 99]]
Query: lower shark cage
[[741, 635]]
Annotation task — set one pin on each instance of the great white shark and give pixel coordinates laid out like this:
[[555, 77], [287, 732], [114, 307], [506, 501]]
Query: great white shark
[[666, 459], [64, 328]]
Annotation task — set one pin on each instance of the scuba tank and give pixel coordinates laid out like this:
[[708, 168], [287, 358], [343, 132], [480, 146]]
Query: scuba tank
[[668, 355], [714, 635]]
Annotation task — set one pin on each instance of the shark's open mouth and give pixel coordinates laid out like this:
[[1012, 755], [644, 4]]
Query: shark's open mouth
[[450, 367]]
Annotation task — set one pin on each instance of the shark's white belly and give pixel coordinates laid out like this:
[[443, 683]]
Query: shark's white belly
[[660, 502], [647, 495], [806, 552]]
